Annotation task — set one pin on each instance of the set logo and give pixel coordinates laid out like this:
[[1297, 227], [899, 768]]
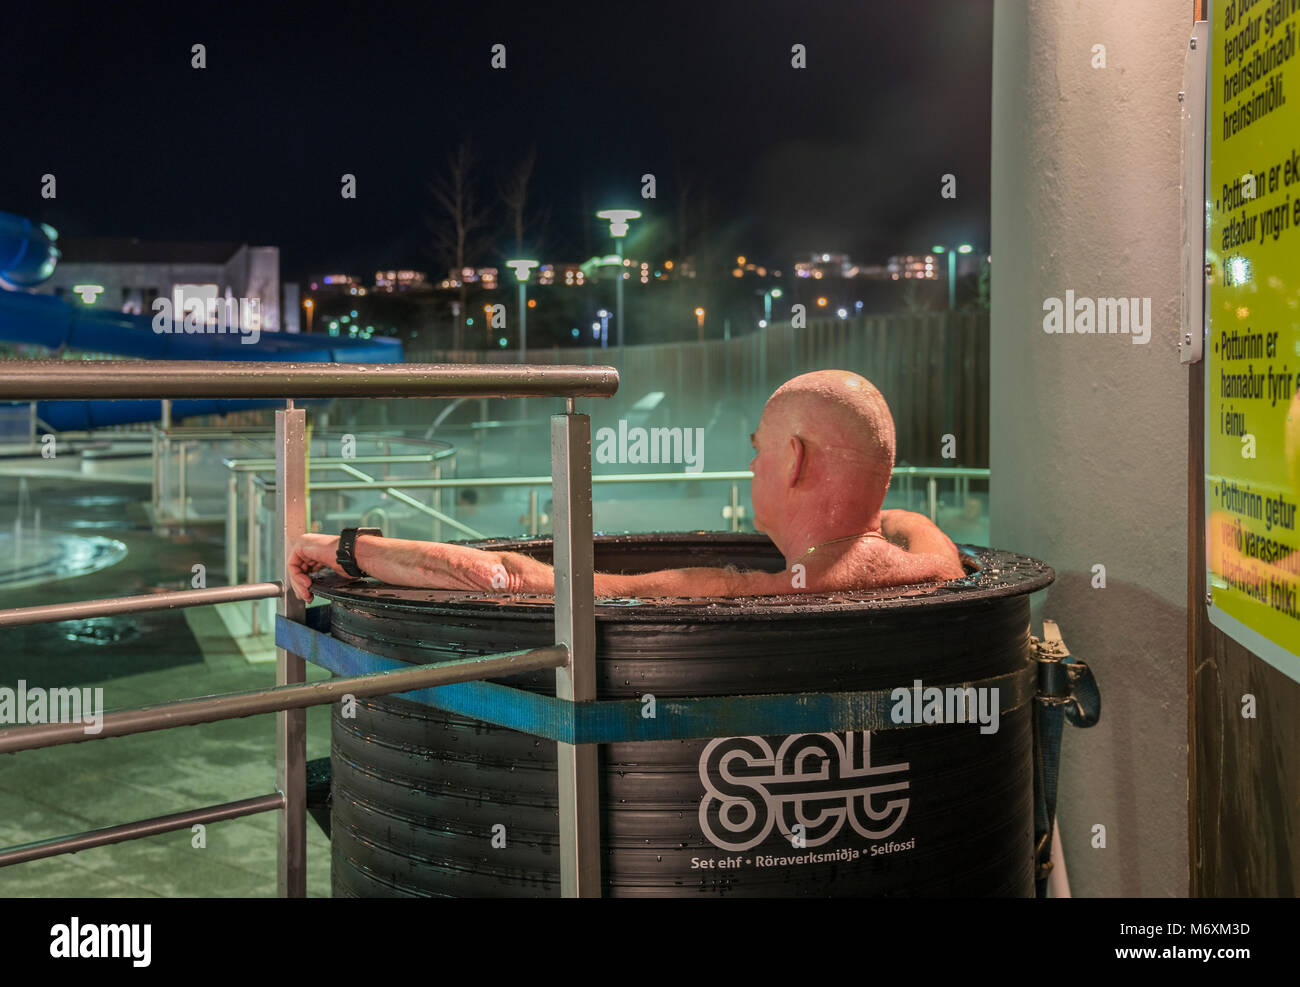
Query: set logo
[[816, 781]]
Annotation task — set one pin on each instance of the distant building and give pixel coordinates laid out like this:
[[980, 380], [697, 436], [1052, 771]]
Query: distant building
[[484, 277], [399, 280], [126, 275], [825, 265], [902, 266], [338, 284]]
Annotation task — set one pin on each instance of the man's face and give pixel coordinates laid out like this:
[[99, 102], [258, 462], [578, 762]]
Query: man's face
[[766, 467]]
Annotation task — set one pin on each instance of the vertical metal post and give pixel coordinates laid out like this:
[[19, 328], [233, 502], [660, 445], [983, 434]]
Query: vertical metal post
[[180, 482], [165, 497], [31, 426], [290, 725], [575, 627], [735, 507], [232, 529], [156, 451], [620, 321], [932, 487], [532, 513], [254, 545], [437, 502]]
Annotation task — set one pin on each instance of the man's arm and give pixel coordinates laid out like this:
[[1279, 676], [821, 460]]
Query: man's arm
[[439, 565]]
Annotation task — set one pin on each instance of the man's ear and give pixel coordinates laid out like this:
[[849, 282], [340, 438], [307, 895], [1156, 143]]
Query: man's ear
[[797, 460]]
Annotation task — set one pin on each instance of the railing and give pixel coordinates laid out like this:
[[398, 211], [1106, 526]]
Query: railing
[[172, 486], [572, 656]]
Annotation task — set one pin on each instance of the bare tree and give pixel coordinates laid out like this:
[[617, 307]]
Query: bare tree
[[515, 195], [456, 239], [685, 186]]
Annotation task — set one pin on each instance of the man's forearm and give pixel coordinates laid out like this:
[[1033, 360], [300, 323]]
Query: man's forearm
[[432, 565], [440, 565]]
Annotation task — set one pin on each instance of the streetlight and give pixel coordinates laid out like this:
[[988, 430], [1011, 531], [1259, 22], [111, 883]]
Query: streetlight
[[309, 305], [768, 294], [618, 220], [522, 269], [699, 321], [965, 248]]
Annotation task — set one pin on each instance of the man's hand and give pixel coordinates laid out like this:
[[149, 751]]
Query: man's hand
[[311, 553]]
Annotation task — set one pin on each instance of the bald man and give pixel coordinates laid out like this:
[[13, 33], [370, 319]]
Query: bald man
[[824, 453]]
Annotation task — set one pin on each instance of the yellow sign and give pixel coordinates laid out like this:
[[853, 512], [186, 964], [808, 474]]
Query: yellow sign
[[1252, 354]]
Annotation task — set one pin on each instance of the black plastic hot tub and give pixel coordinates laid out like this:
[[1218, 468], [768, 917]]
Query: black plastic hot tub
[[428, 803]]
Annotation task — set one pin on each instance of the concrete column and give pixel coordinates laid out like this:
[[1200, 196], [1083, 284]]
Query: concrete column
[[1089, 432]]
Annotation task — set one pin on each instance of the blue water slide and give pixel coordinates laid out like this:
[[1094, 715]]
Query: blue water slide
[[28, 256]]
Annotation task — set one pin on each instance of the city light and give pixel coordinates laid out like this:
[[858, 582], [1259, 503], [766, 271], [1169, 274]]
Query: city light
[[532, 303], [965, 248], [618, 220], [522, 268], [821, 302], [843, 313]]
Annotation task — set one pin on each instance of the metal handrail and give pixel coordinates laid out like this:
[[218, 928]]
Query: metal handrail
[[51, 380], [84, 609], [573, 655], [300, 695]]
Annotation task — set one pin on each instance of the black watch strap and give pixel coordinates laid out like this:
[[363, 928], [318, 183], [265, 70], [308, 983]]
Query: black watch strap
[[347, 553]]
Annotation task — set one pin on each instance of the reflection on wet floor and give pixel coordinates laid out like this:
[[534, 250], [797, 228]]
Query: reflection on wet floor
[[138, 659]]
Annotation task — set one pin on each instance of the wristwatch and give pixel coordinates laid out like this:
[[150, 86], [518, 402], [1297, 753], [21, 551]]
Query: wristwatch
[[347, 553]]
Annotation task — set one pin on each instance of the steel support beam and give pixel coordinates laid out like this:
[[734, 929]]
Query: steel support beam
[[575, 628]]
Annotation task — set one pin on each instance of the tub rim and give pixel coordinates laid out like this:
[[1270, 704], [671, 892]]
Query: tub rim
[[1001, 575]]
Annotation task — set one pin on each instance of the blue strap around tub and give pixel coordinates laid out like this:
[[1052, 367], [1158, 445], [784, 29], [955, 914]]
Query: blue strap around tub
[[1066, 691], [615, 721]]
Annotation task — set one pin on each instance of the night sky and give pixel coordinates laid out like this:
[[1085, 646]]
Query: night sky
[[845, 155]]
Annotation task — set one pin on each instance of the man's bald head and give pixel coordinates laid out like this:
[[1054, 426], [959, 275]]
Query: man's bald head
[[839, 412], [836, 425]]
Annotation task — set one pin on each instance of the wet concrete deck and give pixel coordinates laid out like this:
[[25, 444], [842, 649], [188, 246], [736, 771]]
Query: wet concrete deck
[[139, 659]]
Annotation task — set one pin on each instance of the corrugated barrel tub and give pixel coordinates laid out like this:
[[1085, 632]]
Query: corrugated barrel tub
[[429, 803]]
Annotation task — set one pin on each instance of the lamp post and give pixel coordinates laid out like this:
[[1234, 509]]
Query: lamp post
[[768, 295], [522, 269], [310, 306], [618, 224], [952, 253]]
